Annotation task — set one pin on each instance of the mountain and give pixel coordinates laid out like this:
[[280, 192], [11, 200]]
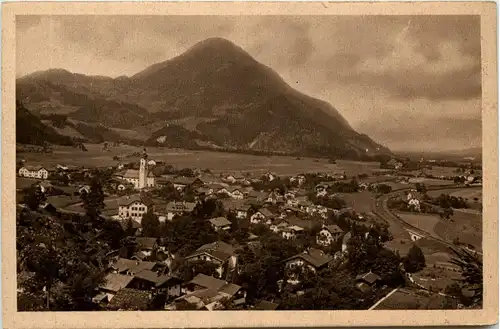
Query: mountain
[[213, 95], [30, 130]]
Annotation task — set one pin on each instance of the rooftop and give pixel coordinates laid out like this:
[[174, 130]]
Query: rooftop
[[115, 282], [208, 282], [220, 221], [130, 299]]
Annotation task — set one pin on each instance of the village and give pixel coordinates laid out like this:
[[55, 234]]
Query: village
[[194, 240]]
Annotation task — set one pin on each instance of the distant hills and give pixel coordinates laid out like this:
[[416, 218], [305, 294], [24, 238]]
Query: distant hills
[[215, 95]]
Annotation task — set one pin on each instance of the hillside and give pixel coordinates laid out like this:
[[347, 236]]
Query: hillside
[[30, 130], [237, 103]]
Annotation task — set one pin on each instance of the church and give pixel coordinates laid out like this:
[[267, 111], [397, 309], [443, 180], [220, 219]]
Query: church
[[141, 178]]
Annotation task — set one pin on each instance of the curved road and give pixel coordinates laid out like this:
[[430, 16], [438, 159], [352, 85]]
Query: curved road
[[397, 225]]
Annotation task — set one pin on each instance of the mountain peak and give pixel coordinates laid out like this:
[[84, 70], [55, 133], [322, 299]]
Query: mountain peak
[[218, 48]]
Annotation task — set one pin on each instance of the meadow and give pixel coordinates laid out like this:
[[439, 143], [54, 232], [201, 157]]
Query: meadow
[[215, 161]]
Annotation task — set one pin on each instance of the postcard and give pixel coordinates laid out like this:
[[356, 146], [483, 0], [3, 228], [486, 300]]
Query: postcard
[[272, 164]]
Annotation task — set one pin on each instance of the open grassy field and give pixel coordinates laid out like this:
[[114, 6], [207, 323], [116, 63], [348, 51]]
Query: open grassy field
[[412, 299], [215, 161], [361, 202], [425, 222], [466, 227], [430, 181]]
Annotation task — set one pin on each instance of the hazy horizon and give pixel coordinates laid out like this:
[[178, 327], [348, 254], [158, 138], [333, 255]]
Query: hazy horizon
[[420, 75]]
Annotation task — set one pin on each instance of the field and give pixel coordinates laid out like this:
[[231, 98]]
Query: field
[[469, 194], [464, 226], [361, 202], [424, 222], [215, 161], [430, 181], [412, 299]]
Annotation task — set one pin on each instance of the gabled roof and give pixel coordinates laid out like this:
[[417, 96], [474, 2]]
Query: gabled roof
[[314, 257], [115, 282], [142, 266], [130, 299], [333, 229], [208, 282], [127, 200], [369, 277], [180, 206], [220, 221], [146, 242], [130, 173], [124, 264], [218, 249], [155, 278], [33, 168], [229, 289], [266, 212]]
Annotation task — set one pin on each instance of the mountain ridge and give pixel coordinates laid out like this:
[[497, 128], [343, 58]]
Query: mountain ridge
[[247, 104]]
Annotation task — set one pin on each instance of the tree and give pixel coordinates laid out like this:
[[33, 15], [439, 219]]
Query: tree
[[472, 274], [150, 225], [93, 202], [414, 260], [34, 197]]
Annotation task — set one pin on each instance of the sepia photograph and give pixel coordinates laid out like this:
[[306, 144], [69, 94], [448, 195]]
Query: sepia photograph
[[242, 162]]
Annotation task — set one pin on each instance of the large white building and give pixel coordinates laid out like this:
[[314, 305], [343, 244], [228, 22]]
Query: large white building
[[34, 172], [139, 178], [134, 207]]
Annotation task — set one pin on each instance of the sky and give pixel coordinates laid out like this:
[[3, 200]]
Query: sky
[[412, 83]]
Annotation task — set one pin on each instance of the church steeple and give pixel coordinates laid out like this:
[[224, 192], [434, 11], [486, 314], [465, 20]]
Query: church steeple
[[143, 172]]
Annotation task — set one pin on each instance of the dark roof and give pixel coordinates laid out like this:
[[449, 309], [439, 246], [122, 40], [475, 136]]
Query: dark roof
[[146, 242], [363, 287], [266, 212], [333, 228], [180, 206], [220, 221], [303, 223], [155, 278], [315, 257], [218, 249], [142, 266], [209, 282], [230, 289], [130, 173], [181, 180], [369, 277], [34, 168], [124, 264], [127, 200], [130, 299], [264, 305], [115, 282]]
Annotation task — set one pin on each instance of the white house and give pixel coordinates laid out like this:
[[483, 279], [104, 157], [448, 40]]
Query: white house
[[220, 224], [141, 178], [414, 204], [34, 172], [328, 235], [134, 207], [218, 253], [263, 215]]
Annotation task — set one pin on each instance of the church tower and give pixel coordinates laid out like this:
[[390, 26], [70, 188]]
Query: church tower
[[143, 172]]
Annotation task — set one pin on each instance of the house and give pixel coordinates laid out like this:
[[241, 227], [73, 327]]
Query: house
[[113, 283], [414, 205], [312, 259], [149, 280], [235, 193], [367, 281], [34, 172], [394, 164], [291, 232], [134, 206], [218, 253], [220, 224], [242, 211], [274, 197], [130, 300], [182, 182], [151, 162], [328, 235], [146, 245], [178, 208], [208, 293], [299, 179], [270, 176], [263, 215], [233, 178], [85, 189]]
